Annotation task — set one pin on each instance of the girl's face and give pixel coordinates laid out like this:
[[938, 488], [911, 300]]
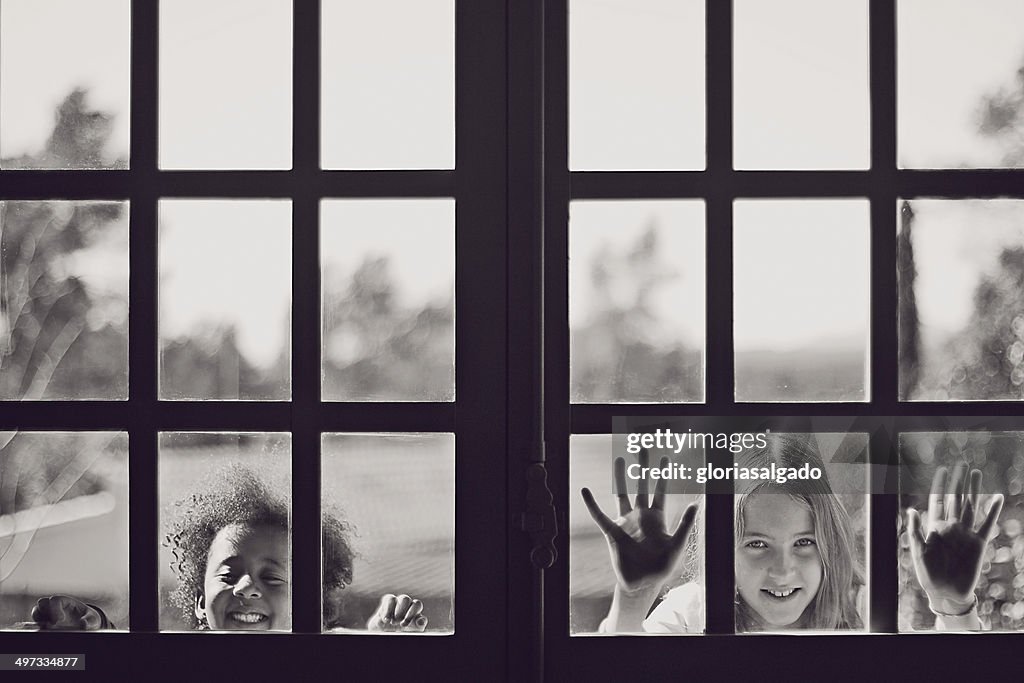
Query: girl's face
[[246, 583], [778, 568]]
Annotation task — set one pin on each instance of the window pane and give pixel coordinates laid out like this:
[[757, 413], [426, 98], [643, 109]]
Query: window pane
[[398, 492], [591, 578], [801, 277], [801, 557], [225, 514], [961, 300], [63, 300], [801, 84], [997, 456], [225, 84], [63, 526], [225, 299], [636, 84], [65, 69], [961, 95], [388, 84], [388, 299], [636, 301]]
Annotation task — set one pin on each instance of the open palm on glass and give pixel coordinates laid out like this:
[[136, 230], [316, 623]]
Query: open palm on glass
[[946, 548], [644, 554]]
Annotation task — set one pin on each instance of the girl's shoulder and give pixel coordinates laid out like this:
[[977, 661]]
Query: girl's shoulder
[[680, 611]]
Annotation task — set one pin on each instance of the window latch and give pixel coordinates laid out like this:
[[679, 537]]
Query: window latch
[[540, 518]]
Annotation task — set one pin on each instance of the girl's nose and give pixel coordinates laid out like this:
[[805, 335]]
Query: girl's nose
[[782, 564], [247, 588]]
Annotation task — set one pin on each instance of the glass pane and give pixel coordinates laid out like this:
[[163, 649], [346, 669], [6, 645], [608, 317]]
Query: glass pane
[[678, 601], [801, 557], [388, 84], [636, 84], [397, 491], [981, 542], [802, 295], [63, 300], [225, 84], [636, 301], [225, 299], [225, 515], [65, 67], [388, 299], [801, 84], [961, 93], [961, 300], [64, 530]]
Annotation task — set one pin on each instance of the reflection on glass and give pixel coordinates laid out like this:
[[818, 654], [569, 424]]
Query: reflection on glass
[[636, 85], [801, 84], [225, 299], [225, 514], [398, 492], [636, 301], [63, 300], [388, 299], [971, 538], [801, 274], [678, 597], [961, 300], [960, 92], [65, 70], [64, 530], [388, 84], [801, 542], [225, 84]]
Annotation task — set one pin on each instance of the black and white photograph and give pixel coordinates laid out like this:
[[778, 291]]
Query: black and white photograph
[[388, 277], [801, 308], [961, 315], [225, 519], [225, 299], [64, 531], [636, 301], [613, 582], [961, 548], [389, 533], [801, 554]]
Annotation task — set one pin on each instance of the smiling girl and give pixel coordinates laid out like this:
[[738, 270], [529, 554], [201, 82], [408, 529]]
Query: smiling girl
[[796, 560]]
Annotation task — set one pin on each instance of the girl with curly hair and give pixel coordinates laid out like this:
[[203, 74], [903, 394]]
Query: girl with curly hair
[[230, 544]]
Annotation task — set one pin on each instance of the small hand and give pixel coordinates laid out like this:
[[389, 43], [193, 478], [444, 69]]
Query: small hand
[[644, 555], [948, 553], [398, 614], [65, 613]]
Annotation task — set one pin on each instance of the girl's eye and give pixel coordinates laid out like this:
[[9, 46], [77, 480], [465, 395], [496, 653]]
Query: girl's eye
[[805, 542], [758, 544], [275, 580], [227, 577]]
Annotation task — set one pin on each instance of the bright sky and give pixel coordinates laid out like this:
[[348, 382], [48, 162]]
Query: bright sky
[[50, 47], [955, 244], [950, 54], [678, 305], [388, 74], [416, 235], [636, 84], [227, 261], [801, 84], [801, 272]]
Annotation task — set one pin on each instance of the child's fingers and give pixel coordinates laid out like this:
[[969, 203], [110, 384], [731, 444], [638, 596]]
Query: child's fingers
[[610, 529], [620, 487], [415, 608], [642, 485], [419, 624], [386, 610], [988, 528], [936, 501], [915, 533], [402, 604], [953, 497], [658, 503], [685, 525]]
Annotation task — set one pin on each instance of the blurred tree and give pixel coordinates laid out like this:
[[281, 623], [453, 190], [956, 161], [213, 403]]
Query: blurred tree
[[53, 341], [1002, 117], [376, 349], [617, 354], [909, 337]]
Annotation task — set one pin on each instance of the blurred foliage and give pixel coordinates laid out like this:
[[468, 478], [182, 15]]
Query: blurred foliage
[[59, 339], [1000, 457], [376, 349], [1002, 118], [616, 355]]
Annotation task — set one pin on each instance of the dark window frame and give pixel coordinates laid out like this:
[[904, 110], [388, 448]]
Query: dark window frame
[[477, 417]]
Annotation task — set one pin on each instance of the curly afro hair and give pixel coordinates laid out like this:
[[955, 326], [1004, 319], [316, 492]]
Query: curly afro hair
[[236, 495]]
